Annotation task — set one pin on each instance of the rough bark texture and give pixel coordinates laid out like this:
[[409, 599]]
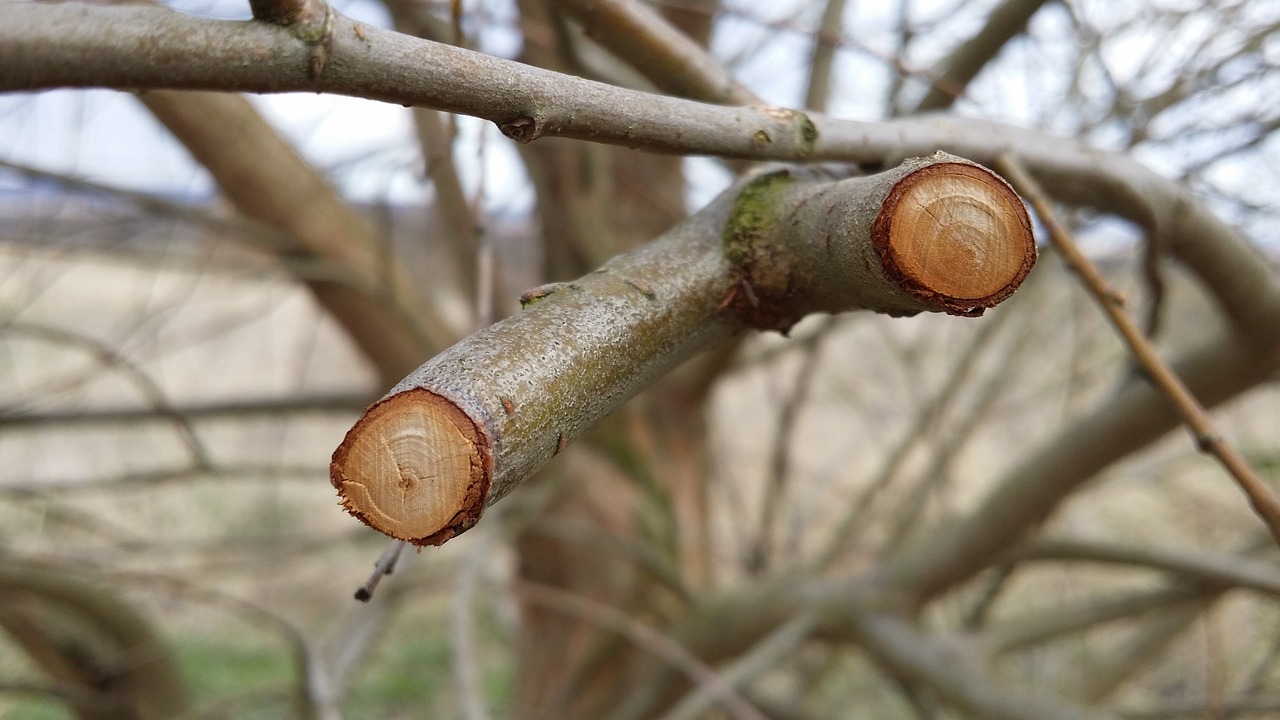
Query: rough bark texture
[[935, 234]]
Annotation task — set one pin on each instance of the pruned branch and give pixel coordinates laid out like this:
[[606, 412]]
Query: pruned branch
[[937, 234]]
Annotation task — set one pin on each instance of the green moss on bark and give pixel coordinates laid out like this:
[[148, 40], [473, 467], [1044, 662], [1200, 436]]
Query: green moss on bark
[[754, 214]]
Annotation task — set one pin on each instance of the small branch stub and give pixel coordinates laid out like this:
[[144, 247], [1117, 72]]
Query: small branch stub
[[955, 234]]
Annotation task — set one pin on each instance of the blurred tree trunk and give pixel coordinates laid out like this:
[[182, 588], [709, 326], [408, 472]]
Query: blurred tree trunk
[[594, 202]]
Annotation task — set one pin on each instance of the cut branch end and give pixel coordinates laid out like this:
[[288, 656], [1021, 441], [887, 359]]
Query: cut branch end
[[955, 235], [415, 467]]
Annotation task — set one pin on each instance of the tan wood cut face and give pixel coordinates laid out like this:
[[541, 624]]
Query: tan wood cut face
[[410, 468], [958, 231]]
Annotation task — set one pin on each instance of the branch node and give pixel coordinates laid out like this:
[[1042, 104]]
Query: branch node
[[1206, 442], [523, 129]]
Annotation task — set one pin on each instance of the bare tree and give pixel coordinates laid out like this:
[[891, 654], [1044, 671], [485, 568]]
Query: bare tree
[[913, 517]]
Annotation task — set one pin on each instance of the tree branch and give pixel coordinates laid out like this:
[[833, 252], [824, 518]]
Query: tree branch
[[825, 42], [955, 673], [1135, 417], [954, 72], [671, 60], [466, 428], [267, 181], [1218, 571], [51, 46], [1264, 502]]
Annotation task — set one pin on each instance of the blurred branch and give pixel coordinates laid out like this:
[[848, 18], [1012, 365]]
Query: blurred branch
[[159, 206], [1263, 706], [462, 230], [673, 61], [765, 656], [954, 72], [265, 178], [922, 423], [1039, 627], [88, 638], [1218, 570], [462, 625], [760, 553], [646, 637], [1134, 417], [335, 403], [147, 480], [1208, 440], [956, 672], [109, 357], [1146, 646], [830, 30]]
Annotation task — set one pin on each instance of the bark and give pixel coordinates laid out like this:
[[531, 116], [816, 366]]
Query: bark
[[469, 426]]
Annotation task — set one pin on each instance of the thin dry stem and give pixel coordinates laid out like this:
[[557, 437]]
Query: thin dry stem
[[1208, 440], [385, 566]]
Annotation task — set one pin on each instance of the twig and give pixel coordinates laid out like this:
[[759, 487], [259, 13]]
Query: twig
[[1264, 502], [108, 356], [385, 565]]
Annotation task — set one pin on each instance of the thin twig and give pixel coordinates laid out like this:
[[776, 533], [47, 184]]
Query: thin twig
[[108, 356], [385, 565], [1264, 502]]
